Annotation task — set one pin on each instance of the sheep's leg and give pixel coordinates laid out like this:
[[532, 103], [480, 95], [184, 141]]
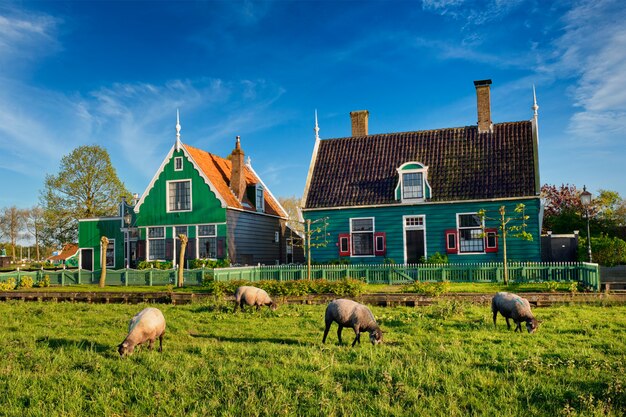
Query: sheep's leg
[[508, 325], [357, 338], [339, 333], [161, 342], [150, 343], [495, 314], [518, 327], [326, 331]]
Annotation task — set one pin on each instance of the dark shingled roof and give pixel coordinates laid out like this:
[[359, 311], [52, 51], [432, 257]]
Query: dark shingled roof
[[462, 165]]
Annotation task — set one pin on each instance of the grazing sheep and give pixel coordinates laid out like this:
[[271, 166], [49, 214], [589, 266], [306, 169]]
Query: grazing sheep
[[252, 296], [348, 313], [145, 326], [512, 306]]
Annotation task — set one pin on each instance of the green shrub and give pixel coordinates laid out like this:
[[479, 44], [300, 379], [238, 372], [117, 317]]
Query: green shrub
[[26, 282], [44, 282], [155, 265], [437, 258], [551, 286], [208, 263], [433, 289], [7, 285], [344, 287], [606, 251]]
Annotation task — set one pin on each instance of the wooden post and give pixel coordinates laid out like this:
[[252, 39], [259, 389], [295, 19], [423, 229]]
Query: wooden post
[[181, 258], [104, 243]]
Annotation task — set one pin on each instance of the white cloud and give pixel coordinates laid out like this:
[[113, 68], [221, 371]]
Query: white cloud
[[472, 13], [25, 37], [593, 49]]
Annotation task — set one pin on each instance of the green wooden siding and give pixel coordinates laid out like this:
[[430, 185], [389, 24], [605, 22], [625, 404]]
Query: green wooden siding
[[438, 219], [90, 231], [205, 206]]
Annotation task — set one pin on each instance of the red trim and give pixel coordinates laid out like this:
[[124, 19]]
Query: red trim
[[378, 236], [452, 241], [343, 242], [491, 235]]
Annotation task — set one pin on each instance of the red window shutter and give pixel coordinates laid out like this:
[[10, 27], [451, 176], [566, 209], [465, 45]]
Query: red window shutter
[[141, 250], [221, 247], [491, 240], [380, 243], [452, 241], [344, 244]]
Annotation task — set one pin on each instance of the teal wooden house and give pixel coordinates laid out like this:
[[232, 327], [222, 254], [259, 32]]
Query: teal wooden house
[[406, 196], [220, 204]]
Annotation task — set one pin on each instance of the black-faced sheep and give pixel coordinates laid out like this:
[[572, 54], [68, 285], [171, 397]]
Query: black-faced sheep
[[145, 326], [512, 306], [253, 296], [348, 313]]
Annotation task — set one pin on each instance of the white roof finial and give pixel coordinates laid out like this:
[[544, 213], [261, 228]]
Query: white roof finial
[[177, 130], [535, 107], [317, 128], [249, 161]]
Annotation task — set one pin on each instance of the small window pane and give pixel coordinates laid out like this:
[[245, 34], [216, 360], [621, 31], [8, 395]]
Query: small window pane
[[110, 254], [344, 244], [181, 230], [469, 220], [362, 225], [492, 240], [179, 195], [362, 244], [206, 230], [156, 232], [380, 243], [207, 247]]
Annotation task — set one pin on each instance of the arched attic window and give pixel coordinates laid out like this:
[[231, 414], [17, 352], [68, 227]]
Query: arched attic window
[[413, 184]]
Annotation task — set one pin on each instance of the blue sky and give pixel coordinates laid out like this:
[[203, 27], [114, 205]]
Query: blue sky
[[114, 73]]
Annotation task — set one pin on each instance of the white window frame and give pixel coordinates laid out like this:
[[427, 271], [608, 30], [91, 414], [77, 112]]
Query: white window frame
[[199, 236], [106, 258], [178, 161], [167, 196], [414, 227], [373, 232], [423, 171], [148, 239], [459, 228]]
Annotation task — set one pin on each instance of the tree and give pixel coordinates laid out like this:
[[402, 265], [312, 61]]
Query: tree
[[564, 212], [104, 245], [34, 226], [292, 207], [183, 246], [507, 228], [12, 221], [86, 186]]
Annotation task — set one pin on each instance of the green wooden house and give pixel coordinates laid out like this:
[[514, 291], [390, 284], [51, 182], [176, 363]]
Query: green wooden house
[[220, 204], [406, 196]]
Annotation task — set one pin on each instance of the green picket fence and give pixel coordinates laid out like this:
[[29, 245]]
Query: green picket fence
[[519, 272]]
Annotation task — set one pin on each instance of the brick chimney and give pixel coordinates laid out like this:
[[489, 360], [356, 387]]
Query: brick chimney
[[483, 99], [237, 174], [359, 122]]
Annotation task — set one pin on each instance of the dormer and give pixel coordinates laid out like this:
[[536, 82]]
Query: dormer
[[256, 195], [413, 184]]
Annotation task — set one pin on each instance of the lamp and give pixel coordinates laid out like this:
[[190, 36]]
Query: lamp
[[585, 200]]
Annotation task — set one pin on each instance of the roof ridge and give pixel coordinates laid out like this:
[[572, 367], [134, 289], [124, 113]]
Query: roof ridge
[[442, 129]]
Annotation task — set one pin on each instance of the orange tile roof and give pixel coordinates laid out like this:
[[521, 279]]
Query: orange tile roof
[[217, 170], [68, 251]]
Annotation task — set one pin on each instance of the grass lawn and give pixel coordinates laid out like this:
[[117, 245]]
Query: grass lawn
[[60, 359]]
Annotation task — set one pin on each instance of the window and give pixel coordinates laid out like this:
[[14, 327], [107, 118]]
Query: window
[[362, 236], [179, 195], [260, 199], [207, 241], [178, 163], [470, 233], [180, 230], [156, 243], [412, 185], [110, 255]]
